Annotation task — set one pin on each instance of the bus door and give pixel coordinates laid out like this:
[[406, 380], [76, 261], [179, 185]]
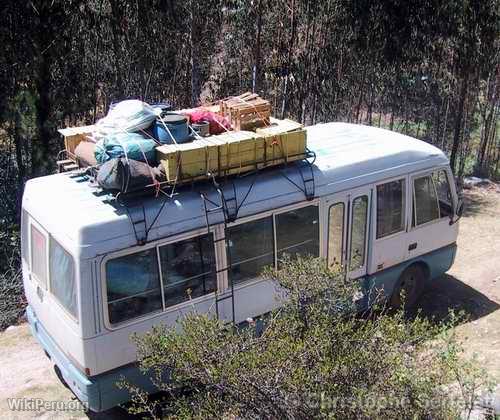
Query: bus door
[[347, 231]]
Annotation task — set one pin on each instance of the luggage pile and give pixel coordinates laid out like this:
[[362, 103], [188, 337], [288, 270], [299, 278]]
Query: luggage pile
[[138, 145]]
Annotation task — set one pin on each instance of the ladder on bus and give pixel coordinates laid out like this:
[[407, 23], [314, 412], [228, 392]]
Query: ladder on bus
[[306, 171], [227, 206]]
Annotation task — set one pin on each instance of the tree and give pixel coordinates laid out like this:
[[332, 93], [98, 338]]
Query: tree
[[314, 359]]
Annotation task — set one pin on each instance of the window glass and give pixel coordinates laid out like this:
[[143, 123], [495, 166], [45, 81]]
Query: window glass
[[426, 208], [358, 231], [390, 208], [188, 269], [443, 192], [24, 237], [62, 277], [297, 232], [133, 286], [252, 248], [39, 256], [335, 234]]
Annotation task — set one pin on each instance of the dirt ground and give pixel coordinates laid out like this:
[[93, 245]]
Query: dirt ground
[[473, 285]]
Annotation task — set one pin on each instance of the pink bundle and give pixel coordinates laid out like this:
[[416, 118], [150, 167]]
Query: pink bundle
[[218, 123]]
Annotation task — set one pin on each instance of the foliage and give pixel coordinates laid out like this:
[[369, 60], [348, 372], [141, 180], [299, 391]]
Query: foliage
[[314, 359], [12, 300]]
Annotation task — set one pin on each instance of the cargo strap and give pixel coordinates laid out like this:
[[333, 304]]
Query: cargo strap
[[306, 172]]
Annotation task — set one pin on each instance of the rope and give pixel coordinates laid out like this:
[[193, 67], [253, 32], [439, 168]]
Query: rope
[[166, 128], [150, 136], [153, 178]]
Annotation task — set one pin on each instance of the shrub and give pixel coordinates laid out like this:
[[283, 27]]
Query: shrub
[[315, 359], [12, 300]]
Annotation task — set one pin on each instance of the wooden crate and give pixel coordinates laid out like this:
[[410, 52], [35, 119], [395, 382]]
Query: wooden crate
[[226, 104], [233, 152], [247, 111]]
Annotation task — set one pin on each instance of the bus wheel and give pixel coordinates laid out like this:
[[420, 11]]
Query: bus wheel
[[408, 288]]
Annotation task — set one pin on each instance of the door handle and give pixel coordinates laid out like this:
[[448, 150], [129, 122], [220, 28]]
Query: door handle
[[412, 246]]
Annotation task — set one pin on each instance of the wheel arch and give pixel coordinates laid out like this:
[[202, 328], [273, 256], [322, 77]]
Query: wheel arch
[[424, 266]]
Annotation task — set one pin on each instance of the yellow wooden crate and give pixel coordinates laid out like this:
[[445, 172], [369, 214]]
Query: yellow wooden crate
[[234, 152]]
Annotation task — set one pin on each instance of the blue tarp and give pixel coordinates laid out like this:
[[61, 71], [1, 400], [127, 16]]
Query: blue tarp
[[131, 145]]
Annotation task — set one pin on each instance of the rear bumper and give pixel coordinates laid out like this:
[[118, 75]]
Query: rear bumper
[[99, 392], [84, 389]]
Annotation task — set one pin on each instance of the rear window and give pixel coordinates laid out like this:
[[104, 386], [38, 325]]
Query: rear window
[[39, 256], [25, 237], [62, 278]]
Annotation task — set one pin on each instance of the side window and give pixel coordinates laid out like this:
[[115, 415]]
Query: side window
[[133, 286], [390, 208], [425, 201], [62, 277], [188, 269], [443, 192], [252, 248], [297, 232], [335, 234], [358, 231], [39, 256]]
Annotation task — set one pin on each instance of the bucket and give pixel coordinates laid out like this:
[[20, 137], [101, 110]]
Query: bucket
[[177, 125], [202, 128]]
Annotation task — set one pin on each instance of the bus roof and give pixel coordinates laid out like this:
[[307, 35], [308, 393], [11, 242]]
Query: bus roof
[[348, 156]]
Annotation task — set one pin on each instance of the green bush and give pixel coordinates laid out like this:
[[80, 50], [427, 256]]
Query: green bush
[[315, 359], [12, 300]]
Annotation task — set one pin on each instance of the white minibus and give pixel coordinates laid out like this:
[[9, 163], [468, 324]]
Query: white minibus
[[383, 205]]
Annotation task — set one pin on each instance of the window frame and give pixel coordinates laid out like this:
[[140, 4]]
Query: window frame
[[26, 238], [160, 271], [238, 223], [365, 233], [75, 277], [33, 276], [273, 213], [404, 228], [157, 244], [450, 182], [342, 244], [427, 173], [222, 278], [277, 213]]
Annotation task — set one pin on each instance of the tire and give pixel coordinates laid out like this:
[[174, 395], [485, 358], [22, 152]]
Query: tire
[[408, 288], [60, 376]]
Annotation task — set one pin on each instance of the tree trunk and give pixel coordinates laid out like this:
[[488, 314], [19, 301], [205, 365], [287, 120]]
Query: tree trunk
[[458, 121], [443, 142], [194, 38], [288, 61], [116, 15], [43, 84], [488, 120], [257, 52]]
